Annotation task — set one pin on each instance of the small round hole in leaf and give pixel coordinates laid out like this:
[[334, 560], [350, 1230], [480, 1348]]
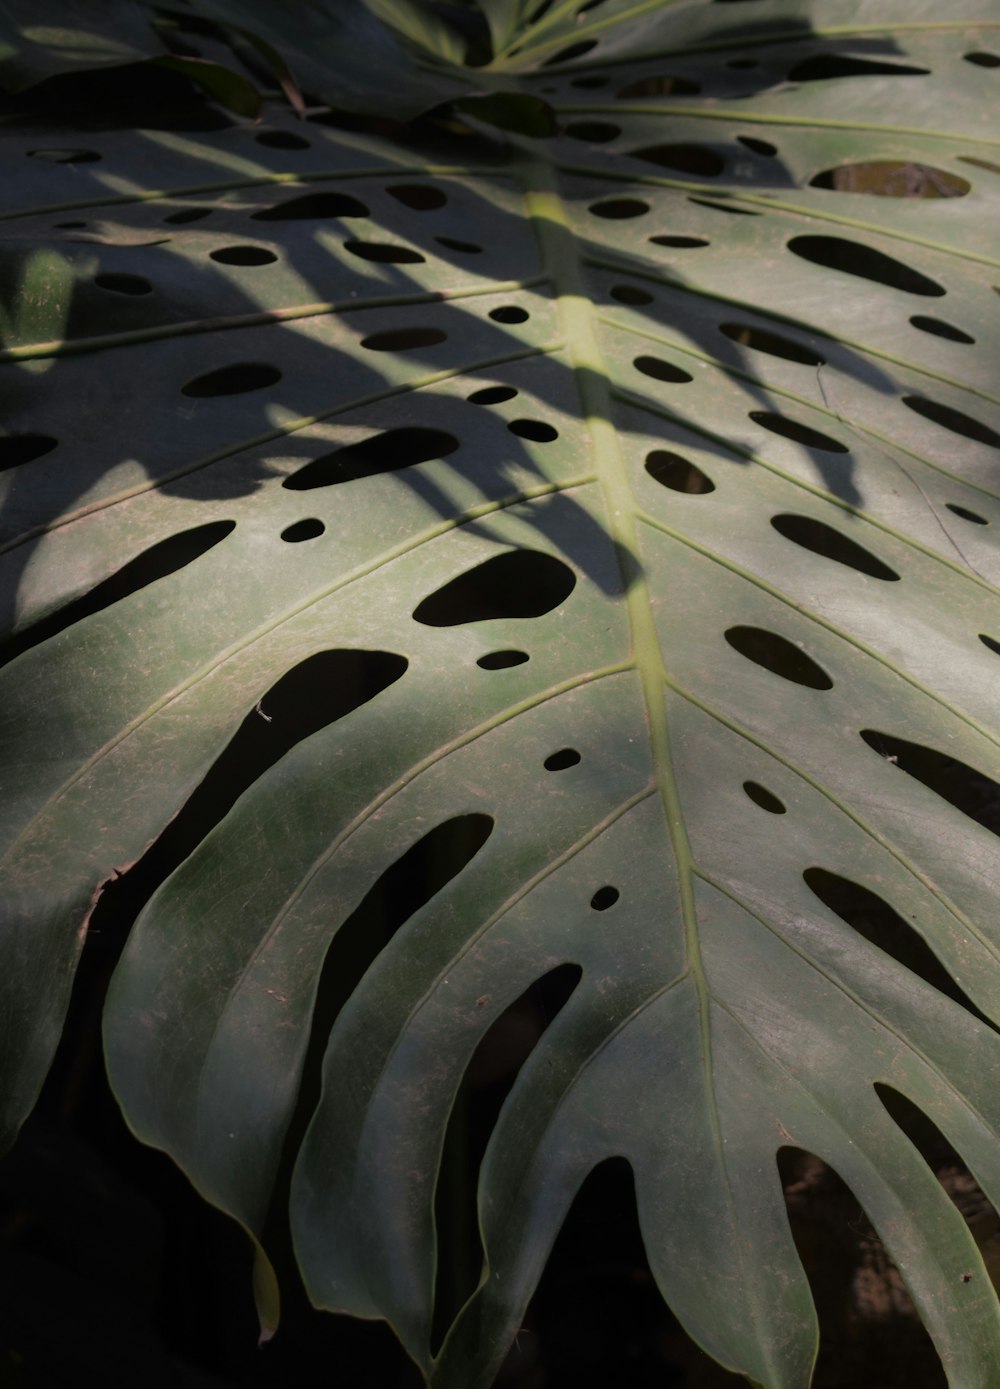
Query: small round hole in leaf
[[281, 140], [16, 449], [385, 252], [308, 529], [775, 344], [403, 339], [939, 328], [779, 656], [237, 379], [619, 209], [800, 433], [243, 255], [604, 898], [536, 430], [502, 660], [123, 284], [966, 514], [673, 471], [559, 761], [764, 798], [660, 370], [630, 294], [492, 395], [509, 313], [419, 197]]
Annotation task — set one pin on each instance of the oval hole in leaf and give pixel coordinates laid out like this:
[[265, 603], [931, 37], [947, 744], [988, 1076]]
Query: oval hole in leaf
[[801, 433], [492, 395], [509, 313], [766, 799], [123, 284], [725, 207], [763, 340], [502, 660], [243, 255], [575, 50], [16, 449], [982, 59], [310, 206], [684, 158], [281, 140], [66, 156], [385, 252], [238, 379], [69, 226], [821, 539], [826, 66], [467, 248], [955, 420], [673, 471], [629, 294], [885, 178], [657, 86], [486, 1083], [590, 82], [660, 370], [939, 328], [969, 791], [837, 253], [681, 241], [763, 147], [387, 452], [164, 558], [559, 761], [779, 656], [308, 529], [518, 583], [593, 132], [604, 898], [882, 926], [619, 209], [403, 339], [967, 515], [188, 214], [536, 430], [419, 197]]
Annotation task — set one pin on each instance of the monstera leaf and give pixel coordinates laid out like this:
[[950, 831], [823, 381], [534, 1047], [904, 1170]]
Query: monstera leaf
[[602, 522]]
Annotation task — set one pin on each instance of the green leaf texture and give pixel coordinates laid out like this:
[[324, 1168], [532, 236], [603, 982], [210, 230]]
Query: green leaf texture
[[617, 508]]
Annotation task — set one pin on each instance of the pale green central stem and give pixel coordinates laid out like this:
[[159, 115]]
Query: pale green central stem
[[562, 257]]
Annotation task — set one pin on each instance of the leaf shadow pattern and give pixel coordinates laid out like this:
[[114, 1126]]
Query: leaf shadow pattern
[[253, 439]]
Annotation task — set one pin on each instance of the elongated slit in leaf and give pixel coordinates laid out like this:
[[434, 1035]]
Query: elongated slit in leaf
[[488, 1079], [519, 583], [969, 791], [166, 557]]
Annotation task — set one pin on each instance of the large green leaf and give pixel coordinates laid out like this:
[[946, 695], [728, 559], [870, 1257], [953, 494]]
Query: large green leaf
[[705, 405]]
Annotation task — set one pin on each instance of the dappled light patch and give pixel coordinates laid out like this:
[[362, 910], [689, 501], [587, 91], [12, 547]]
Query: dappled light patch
[[517, 583]]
